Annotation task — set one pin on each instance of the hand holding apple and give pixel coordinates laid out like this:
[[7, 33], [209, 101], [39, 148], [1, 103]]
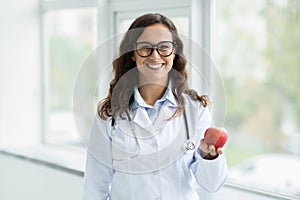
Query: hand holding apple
[[212, 143], [215, 136]]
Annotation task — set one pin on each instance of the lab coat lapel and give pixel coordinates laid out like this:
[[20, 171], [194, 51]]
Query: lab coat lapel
[[141, 118], [164, 114], [141, 122]]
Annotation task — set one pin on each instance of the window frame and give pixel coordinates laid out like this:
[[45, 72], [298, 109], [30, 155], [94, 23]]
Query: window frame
[[46, 6]]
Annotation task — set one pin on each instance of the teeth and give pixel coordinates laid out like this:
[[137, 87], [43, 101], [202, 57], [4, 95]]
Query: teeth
[[154, 66]]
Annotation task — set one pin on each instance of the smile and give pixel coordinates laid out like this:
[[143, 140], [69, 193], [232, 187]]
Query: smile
[[155, 66]]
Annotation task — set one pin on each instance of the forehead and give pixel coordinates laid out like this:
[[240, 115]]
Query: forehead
[[155, 34]]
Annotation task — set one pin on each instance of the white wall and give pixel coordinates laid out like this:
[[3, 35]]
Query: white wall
[[20, 70], [21, 179]]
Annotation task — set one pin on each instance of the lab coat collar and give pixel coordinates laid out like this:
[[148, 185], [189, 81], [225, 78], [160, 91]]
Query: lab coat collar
[[168, 96], [140, 118], [168, 107], [143, 127]]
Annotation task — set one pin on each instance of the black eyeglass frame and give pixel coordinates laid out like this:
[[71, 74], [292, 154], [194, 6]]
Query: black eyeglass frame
[[154, 47]]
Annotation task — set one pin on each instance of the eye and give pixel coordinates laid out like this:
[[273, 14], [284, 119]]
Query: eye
[[143, 46], [165, 46]]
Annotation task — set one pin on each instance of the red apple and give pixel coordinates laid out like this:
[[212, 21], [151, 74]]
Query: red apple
[[215, 136]]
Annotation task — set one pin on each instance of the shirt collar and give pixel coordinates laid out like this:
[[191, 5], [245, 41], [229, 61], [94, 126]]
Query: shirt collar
[[167, 97]]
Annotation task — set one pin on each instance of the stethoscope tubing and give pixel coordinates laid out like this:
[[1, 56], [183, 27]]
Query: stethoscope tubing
[[188, 146]]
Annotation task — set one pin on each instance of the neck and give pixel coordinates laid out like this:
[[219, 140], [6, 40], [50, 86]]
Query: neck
[[152, 92]]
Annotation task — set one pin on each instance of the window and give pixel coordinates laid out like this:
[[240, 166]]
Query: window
[[257, 50], [69, 35]]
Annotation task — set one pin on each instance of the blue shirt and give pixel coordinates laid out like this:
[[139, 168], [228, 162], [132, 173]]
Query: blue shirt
[[153, 111]]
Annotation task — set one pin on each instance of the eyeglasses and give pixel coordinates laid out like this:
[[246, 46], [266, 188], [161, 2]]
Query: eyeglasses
[[145, 49]]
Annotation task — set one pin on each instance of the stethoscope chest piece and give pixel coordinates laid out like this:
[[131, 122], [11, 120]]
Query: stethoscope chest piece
[[189, 146]]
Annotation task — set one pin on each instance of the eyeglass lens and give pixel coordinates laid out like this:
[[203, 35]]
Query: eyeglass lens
[[145, 49]]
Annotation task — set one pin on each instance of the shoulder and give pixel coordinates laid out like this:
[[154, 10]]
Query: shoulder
[[192, 102], [104, 125], [195, 107]]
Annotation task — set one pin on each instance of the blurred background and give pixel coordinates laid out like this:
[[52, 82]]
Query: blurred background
[[254, 44]]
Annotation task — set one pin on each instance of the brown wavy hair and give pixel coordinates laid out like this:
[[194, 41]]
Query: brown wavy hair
[[120, 96]]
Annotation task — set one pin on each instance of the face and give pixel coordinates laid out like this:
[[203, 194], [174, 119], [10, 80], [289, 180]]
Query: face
[[155, 67]]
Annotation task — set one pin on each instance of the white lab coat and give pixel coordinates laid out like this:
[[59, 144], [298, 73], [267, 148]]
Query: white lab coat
[[154, 174]]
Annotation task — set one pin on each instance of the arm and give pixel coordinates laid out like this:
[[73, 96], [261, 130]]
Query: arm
[[209, 165], [98, 172], [97, 179], [210, 174]]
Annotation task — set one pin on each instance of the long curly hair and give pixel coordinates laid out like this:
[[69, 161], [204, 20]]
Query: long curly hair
[[120, 96]]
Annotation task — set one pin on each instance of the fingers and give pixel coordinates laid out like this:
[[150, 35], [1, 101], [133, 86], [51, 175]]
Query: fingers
[[207, 149], [220, 150], [210, 149], [203, 146]]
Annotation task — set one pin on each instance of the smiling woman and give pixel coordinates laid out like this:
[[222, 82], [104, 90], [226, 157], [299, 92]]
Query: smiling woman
[[257, 46], [147, 118], [154, 67]]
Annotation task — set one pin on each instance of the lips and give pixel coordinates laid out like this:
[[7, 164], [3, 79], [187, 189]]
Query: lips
[[155, 66]]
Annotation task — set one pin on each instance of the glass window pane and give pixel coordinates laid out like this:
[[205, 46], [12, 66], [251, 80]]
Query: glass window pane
[[258, 48], [70, 35]]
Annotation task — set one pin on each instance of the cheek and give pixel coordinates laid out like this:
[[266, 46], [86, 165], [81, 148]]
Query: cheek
[[138, 60], [171, 60]]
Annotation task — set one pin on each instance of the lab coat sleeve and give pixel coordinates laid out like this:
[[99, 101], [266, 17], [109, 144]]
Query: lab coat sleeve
[[98, 170], [209, 174], [97, 180]]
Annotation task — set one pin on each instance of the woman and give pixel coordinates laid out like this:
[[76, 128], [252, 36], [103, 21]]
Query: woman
[[147, 139]]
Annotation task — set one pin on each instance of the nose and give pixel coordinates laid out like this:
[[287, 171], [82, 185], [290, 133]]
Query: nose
[[154, 55]]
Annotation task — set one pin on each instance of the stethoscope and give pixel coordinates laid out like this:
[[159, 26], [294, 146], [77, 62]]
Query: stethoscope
[[188, 146]]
